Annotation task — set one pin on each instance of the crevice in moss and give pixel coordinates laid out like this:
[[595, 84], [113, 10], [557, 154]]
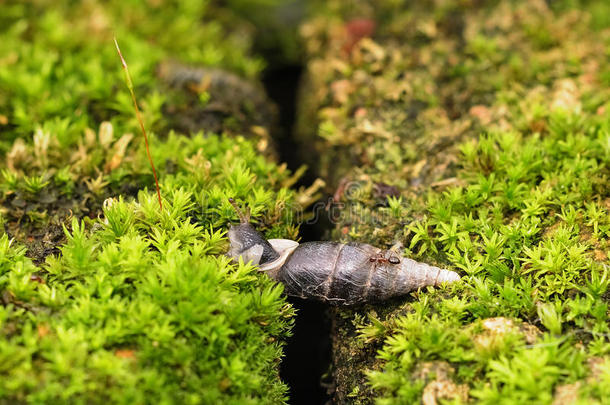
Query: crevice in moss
[[307, 353]]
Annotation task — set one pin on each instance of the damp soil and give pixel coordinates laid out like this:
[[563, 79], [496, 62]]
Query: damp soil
[[37, 221]]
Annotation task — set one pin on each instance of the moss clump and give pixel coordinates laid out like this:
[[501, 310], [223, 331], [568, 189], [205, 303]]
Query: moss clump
[[103, 297], [59, 59], [140, 304], [67, 120], [478, 138]]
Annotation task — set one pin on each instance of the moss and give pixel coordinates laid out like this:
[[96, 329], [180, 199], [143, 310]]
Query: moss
[[218, 101], [139, 304], [63, 59], [104, 297], [473, 132], [68, 121], [477, 137]]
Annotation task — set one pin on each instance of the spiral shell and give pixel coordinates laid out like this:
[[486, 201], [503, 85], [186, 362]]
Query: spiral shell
[[334, 272]]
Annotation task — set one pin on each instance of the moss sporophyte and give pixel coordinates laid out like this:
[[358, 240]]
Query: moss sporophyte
[[139, 118]]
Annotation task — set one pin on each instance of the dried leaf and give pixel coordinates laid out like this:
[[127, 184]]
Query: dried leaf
[[118, 152]]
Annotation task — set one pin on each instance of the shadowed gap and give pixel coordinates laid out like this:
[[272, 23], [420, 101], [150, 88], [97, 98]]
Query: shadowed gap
[[307, 353]]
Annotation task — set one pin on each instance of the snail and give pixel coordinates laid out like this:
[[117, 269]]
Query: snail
[[333, 272]]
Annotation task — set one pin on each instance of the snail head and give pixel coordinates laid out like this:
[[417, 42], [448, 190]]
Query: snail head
[[247, 242]]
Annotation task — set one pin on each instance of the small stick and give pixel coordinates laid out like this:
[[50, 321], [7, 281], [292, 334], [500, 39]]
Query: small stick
[[139, 117]]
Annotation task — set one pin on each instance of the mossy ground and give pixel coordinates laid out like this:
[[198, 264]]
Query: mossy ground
[[103, 296], [67, 120], [476, 134]]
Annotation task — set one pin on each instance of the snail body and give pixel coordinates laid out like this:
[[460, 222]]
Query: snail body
[[334, 272]]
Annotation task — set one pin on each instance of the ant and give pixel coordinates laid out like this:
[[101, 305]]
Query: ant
[[380, 258]]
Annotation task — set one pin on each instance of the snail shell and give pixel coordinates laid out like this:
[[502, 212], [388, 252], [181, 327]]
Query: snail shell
[[338, 273]]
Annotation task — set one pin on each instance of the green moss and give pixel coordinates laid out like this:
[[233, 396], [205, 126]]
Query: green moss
[[477, 138], [62, 59], [141, 304], [103, 296], [475, 133], [61, 77]]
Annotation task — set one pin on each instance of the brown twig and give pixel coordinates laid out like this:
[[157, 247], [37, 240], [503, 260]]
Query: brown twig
[[139, 117]]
